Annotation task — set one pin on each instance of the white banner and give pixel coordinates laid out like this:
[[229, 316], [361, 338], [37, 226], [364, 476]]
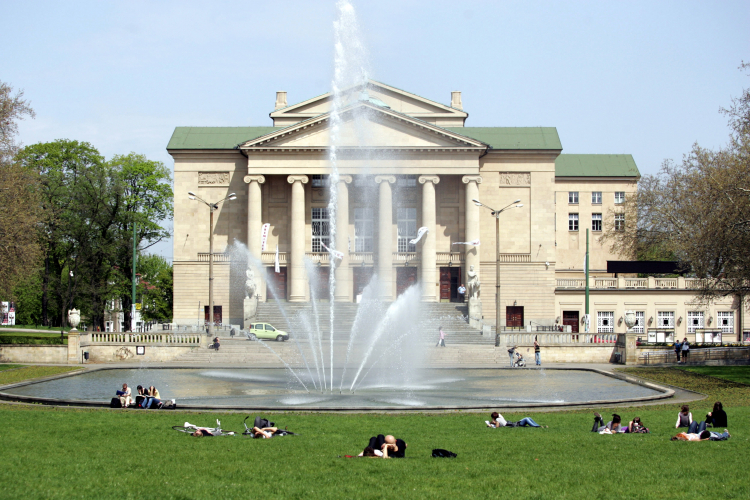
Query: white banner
[[276, 267], [422, 231], [472, 243], [264, 236], [335, 253]]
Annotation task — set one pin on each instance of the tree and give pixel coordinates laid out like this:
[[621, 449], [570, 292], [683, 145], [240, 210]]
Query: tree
[[12, 109], [155, 288], [699, 211]]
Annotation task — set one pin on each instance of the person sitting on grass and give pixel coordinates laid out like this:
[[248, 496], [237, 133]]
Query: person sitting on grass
[[395, 448], [703, 436], [717, 417], [635, 426], [613, 426], [497, 420], [684, 418]]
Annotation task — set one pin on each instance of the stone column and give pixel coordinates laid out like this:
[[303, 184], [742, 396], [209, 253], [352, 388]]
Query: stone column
[[385, 236], [254, 225], [343, 273], [296, 264], [429, 247], [471, 255]]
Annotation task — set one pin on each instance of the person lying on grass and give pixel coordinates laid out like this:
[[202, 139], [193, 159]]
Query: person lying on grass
[[269, 432], [389, 445], [497, 420], [613, 426], [703, 436]]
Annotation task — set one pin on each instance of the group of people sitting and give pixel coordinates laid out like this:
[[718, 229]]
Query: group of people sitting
[[146, 398], [615, 425], [697, 431]]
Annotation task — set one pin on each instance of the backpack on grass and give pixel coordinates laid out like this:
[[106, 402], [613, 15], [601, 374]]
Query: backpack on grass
[[440, 453]]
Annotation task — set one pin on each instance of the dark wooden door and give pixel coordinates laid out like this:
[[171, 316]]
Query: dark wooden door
[[455, 281], [322, 285], [514, 316], [571, 318], [276, 284], [217, 314], [405, 277], [445, 284], [362, 277]]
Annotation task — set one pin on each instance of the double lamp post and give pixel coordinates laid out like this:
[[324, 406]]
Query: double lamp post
[[212, 208]]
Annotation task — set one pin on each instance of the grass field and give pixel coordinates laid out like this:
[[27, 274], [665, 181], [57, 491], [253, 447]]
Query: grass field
[[739, 374], [14, 337], [67, 453]]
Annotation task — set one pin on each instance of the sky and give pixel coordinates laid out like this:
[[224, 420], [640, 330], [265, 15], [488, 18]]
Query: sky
[[641, 77]]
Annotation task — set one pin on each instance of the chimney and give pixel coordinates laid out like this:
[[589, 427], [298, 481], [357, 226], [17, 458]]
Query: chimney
[[281, 99], [456, 100]]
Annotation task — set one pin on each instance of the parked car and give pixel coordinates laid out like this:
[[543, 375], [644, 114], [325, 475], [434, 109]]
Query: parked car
[[267, 332]]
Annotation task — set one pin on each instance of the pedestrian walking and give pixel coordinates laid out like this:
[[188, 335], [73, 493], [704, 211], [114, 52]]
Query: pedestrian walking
[[441, 342], [512, 353], [537, 354]]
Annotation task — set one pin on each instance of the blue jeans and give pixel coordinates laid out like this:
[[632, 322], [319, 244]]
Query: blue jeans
[[538, 358], [151, 401], [696, 428], [715, 436], [527, 421], [511, 359]]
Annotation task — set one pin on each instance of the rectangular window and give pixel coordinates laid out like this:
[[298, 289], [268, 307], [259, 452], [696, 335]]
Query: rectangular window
[[605, 321], [694, 321], [619, 197], [665, 319], [407, 229], [319, 181], [726, 321], [639, 322], [619, 222], [407, 181], [320, 229], [596, 222], [363, 229], [572, 222], [596, 198], [573, 197]]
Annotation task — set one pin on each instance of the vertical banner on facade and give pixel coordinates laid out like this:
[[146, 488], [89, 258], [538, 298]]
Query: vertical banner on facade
[[276, 267], [264, 236]]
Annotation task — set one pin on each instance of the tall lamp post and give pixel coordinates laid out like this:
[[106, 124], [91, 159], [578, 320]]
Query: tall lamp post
[[212, 208], [496, 215]]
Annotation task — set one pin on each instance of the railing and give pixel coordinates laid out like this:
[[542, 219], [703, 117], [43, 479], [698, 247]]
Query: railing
[[514, 257], [665, 282], [558, 338], [636, 282], [144, 338], [269, 257], [319, 257], [450, 257], [218, 257], [361, 257], [404, 256], [604, 283], [697, 355], [571, 283]]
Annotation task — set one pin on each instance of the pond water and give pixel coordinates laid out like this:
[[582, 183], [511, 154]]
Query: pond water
[[272, 388]]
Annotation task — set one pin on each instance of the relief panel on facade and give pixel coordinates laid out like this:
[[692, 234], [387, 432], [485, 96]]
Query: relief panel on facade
[[515, 178], [213, 178]]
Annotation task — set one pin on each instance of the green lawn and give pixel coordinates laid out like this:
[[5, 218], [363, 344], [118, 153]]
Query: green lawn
[[134, 454], [739, 374], [52, 337]]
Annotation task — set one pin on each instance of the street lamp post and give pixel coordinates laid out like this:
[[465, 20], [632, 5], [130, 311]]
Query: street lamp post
[[212, 208], [496, 215]]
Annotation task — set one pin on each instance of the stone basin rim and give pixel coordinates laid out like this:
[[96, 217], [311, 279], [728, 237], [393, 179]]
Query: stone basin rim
[[664, 393]]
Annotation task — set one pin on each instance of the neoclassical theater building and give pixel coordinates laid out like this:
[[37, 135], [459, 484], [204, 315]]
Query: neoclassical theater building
[[407, 162]]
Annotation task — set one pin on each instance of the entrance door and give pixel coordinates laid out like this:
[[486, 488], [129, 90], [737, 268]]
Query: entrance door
[[276, 284], [322, 285], [217, 314], [449, 281], [514, 316], [571, 318], [362, 277], [405, 277]]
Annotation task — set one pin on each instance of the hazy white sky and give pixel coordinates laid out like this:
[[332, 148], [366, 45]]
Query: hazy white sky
[[639, 77]]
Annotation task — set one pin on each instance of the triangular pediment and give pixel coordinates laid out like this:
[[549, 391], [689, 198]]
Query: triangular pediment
[[365, 125], [396, 99]]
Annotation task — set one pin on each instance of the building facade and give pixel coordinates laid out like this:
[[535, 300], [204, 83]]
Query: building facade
[[404, 162]]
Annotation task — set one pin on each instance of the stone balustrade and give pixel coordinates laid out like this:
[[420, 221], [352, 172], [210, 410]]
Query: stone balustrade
[[144, 338], [445, 258], [620, 283], [527, 339], [218, 257], [268, 258]]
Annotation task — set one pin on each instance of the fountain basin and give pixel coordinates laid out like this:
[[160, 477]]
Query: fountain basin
[[271, 389]]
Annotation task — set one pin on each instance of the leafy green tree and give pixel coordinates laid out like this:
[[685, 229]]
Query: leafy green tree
[[155, 288]]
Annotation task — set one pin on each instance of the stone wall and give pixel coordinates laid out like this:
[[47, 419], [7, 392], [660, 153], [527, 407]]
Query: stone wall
[[118, 353], [16, 353]]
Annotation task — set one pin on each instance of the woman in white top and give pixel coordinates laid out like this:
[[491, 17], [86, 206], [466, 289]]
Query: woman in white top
[[684, 418]]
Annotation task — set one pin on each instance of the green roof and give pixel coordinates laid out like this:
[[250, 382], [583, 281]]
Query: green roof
[[513, 137], [596, 166], [215, 137]]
